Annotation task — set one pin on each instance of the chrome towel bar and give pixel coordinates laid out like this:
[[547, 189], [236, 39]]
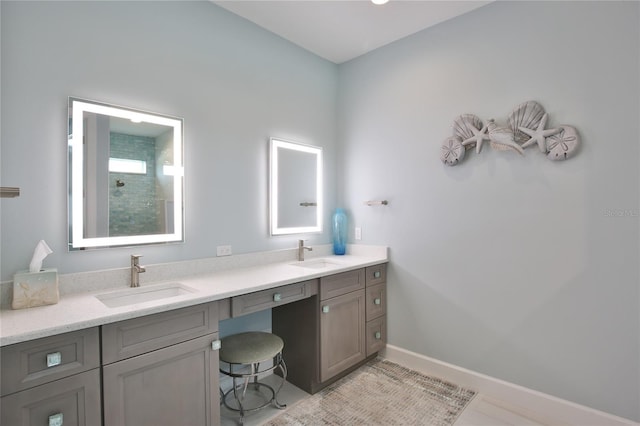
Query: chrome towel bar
[[9, 192], [377, 203]]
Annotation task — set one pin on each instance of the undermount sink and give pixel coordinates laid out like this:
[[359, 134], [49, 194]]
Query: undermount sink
[[316, 263], [143, 294]]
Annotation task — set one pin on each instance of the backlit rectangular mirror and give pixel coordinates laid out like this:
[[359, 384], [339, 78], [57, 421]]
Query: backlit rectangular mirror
[[125, 176], [295, 187]]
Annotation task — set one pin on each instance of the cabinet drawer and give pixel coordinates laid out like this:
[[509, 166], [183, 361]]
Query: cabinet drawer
[[39, 361], [267, 299], [343, 283], [376, 335], [136, 336], [72, 401], [376, 301], [376, 274]]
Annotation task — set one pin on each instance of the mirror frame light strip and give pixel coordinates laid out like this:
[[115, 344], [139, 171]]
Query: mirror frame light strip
[[79, 107], [274, 145]]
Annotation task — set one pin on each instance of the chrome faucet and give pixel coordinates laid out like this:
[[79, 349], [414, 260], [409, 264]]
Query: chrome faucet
[[136, 270], [301, 249]]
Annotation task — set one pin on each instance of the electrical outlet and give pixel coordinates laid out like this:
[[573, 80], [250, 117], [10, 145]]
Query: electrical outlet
[[358, 233], [223, 251]]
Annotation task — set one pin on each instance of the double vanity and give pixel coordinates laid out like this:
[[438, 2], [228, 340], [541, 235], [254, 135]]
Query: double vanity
[[116, 351], [148, 355]]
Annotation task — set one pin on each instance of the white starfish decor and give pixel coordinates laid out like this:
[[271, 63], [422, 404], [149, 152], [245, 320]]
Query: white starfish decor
[[526, 127], [539, 135], [478, 137]]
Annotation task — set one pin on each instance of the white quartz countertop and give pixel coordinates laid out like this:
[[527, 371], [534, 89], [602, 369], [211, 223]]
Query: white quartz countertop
[[80, 310]]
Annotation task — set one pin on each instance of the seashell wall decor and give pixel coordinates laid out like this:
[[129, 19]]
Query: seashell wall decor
[[527, 126], [502, 139], [452, 151], [527, 115]]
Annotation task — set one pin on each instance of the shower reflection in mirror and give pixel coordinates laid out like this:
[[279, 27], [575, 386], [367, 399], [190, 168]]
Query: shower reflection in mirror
[[125, 176]]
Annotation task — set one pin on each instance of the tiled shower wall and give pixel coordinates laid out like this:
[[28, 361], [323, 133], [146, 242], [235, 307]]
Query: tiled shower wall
[[132, 207]]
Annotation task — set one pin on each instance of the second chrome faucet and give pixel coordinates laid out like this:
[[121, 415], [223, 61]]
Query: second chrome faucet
[[301, 249]]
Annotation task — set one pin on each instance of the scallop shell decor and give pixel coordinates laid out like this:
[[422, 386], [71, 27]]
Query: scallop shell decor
[[466, 126], [527, 125], [452, 151], [528, 115], [469, 128]]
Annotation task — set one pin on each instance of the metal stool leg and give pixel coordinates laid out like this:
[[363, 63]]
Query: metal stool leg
[[239, 399], [240, 389], [283, 368], [255, 378], [236, 396]]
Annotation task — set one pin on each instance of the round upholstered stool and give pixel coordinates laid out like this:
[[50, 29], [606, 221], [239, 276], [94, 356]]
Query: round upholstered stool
[[246, 351]]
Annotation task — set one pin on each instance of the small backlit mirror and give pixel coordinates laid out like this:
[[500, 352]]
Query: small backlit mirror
[[295, 187]]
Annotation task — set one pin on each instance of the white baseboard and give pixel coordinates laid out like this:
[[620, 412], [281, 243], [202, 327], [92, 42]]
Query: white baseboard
[[536, 405]]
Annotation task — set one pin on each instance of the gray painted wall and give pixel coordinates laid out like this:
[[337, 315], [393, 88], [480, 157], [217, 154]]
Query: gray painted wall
[[517, 267], [234, 84]]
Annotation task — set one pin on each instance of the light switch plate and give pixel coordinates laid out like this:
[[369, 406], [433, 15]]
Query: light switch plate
[[358, 233]]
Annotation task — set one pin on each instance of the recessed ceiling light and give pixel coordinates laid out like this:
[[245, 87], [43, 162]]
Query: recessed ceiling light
[[379, 2]]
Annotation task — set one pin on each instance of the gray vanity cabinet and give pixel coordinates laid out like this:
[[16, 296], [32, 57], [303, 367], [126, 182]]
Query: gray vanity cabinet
[[162, 369], [330, 334], [52, 381]]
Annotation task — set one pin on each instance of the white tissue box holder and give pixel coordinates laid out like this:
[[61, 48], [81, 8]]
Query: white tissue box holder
[[32, 289]]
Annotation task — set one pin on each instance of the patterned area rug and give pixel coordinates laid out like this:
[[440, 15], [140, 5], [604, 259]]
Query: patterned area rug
[[380, 393]]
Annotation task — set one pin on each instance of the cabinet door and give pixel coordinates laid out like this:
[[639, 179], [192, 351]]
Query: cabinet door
[[177, 385], [342, 333], [72, 401]]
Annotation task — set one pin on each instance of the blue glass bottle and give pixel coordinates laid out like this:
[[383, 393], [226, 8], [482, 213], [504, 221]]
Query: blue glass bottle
[[339, 228]]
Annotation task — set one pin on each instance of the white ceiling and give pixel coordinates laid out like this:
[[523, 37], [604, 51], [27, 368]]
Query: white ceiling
[[340, 30]]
